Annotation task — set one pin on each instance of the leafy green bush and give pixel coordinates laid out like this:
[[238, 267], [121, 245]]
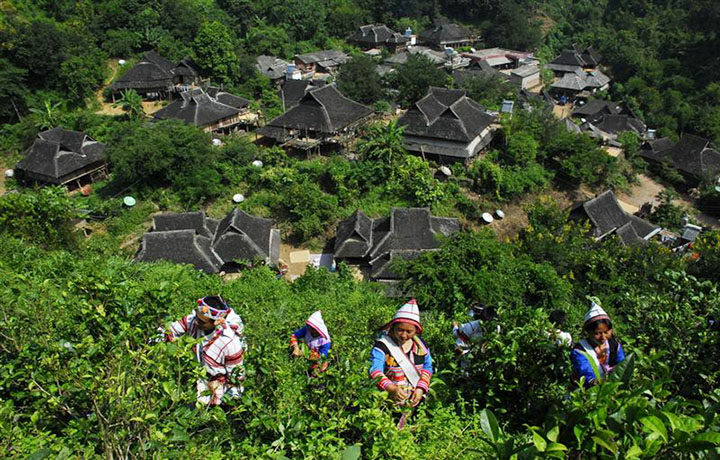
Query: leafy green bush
[[40, 216], [76, 366], [166, 153]]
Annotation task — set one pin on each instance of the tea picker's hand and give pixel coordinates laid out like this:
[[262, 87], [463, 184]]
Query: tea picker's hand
[[397, 393], [417, 397]]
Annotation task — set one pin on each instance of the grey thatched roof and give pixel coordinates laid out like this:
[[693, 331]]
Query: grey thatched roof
[[446, 114], [526, 70], [325, 58], [594, 109], [406, 233], [182, 247], [579, 80], [153, 72], [478, 69], [199, 109], [381, 266], [372, 35], [596, 79], [628, 235], [294, 90], [411, 229], [655, 149], [569, 58], [354, 236], [197, 221], [271, 66], [606, 216], [570, 126], [615, 124], [321, 110], [186, 67], [575, 57], [440, 34], [58, 152], [694, 156], [244, 236], [226, 98], [208, 244]]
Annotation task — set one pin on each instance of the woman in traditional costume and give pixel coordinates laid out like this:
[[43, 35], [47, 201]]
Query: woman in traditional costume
[[316, 337], [599, 347], [221, 350], [400, 360]]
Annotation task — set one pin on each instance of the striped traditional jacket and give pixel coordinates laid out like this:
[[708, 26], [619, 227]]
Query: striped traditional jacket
[[221, 351], [384, 366]]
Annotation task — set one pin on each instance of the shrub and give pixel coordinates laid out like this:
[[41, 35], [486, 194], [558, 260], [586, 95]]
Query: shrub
[[39, 216], [166, 153]]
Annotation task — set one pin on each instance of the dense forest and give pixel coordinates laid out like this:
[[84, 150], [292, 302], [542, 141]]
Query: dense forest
[[80, 377]]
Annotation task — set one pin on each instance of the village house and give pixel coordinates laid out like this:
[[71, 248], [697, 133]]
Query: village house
[[293, 90], [517, 67], [436, 57], [213, 111], [375, 243], [62, 157], [613, 125], [208, 244], [448, 124], [155, 77], [186, 72], [573, 59], [526, 77], [694, 157], [502, 59], [445, 35], [373, 36], [322, 116], [580, 83], [327, 61], [607, 217], [272, 67], [594, 110]]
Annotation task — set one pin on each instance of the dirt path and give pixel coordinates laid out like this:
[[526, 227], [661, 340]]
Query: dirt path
[[106, 108], [644, 192]]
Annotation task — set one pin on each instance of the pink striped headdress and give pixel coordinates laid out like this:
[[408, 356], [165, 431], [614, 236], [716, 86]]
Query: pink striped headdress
[[316, 322], [408, 313]]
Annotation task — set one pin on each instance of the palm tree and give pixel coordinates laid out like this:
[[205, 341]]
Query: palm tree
[[47, 117], [131, 103], [384, 144]]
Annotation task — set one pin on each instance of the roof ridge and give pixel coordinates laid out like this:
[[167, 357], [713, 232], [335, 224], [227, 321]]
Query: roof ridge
[[55, 157], [458, 117], [430, 95], [326, 115]]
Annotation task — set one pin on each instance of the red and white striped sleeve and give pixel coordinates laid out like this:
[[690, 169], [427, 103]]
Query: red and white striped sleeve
[[179, 327]]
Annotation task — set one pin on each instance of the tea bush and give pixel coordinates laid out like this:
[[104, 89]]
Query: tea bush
[[78, 378]]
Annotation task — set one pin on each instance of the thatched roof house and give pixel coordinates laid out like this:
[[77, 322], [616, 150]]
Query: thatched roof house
[[206, 109], [447, 123], [445, 34], [62, 157], [321, 112], [607, 217], [208, 244], [155, 75], [378, 36], [693, 156], [405, 234]]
